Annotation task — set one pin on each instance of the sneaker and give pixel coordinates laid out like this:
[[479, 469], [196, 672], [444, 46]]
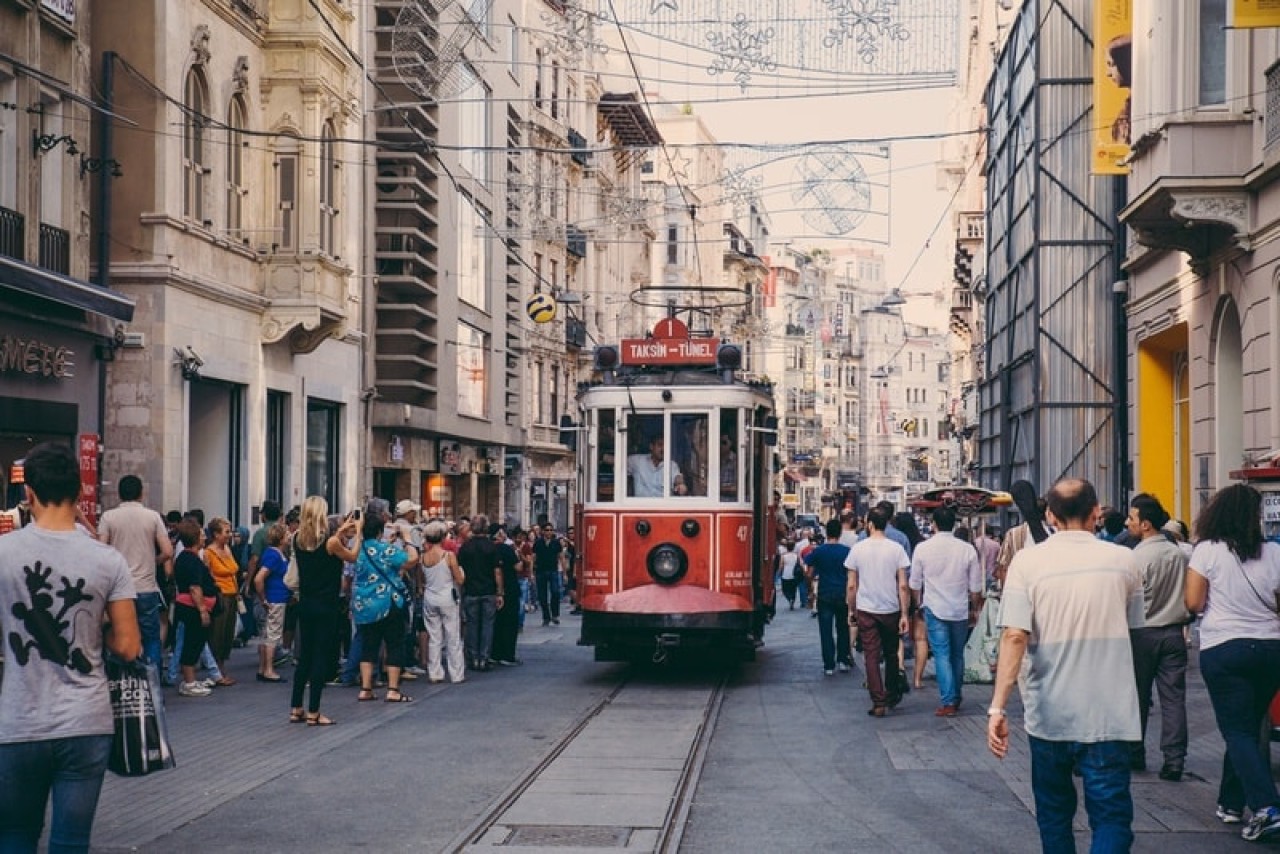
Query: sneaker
[[509, 662], [555, 621], [194, 689], [207, 683], [416, 671], [1265, 822], [1226, 815], [828, 673], [843, 667]]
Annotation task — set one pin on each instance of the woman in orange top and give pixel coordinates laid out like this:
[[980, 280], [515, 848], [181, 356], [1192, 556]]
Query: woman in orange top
[[226, 573]]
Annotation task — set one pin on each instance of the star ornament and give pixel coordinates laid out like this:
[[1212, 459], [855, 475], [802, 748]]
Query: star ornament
[[658, 5]]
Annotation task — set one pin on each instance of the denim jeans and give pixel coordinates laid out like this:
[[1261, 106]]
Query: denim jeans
[[69, 769], [1242, 676], [947, 639], [351, 670], [477, 634], [148, 607], [549, 594], [1104, 769], [526, 597], [835, 645], [206, 657]]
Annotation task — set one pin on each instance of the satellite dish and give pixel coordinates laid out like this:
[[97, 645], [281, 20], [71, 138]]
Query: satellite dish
[[427, 44]]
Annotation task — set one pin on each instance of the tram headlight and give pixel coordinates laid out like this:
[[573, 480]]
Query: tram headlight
[[668, 563]]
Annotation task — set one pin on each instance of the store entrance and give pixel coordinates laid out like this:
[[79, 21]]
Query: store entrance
[[215, 450], [27, 423]]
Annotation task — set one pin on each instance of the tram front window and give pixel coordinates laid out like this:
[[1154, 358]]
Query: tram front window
[[729, 469], [689, 435], [606, 440]]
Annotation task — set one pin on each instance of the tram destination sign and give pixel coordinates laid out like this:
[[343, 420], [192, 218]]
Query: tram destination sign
[[669, 351]]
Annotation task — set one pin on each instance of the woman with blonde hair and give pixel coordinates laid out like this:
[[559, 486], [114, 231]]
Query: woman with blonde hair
[[226, 574], [320, 553], [440, 579]]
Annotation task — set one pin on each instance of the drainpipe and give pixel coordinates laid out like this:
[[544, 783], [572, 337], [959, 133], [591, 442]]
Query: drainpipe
[[103, 213], [1122, 478]]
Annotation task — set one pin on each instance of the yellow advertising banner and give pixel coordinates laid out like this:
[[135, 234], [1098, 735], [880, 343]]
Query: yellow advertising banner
[[1255, 13], [1112, 70]]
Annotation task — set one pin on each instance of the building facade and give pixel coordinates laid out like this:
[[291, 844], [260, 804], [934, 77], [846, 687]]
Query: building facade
[[236, 235]]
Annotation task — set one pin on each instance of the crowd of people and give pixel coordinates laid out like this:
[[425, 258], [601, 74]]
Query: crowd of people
[[1090, 611]]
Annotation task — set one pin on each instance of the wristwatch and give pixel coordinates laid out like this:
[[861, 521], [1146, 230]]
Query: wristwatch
[[995, 710]]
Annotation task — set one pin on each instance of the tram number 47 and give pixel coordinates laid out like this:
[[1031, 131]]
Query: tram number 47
[[744, 531], [591, 533]]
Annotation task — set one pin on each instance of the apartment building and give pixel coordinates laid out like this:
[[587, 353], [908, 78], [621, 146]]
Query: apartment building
[[58, 329]]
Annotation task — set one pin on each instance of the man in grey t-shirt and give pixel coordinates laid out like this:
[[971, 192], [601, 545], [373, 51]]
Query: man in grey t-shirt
[[138, 533], [56, 587]]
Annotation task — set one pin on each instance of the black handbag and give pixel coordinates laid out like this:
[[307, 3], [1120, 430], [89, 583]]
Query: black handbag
[[140, 743]]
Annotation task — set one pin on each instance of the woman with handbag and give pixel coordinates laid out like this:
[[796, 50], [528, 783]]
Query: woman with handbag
[[226, 574], [1234, 579], [380, 606], [319, 555]]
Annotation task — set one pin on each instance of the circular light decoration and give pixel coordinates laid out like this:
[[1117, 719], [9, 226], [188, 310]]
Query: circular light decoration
[[541, 308], [833, 189]]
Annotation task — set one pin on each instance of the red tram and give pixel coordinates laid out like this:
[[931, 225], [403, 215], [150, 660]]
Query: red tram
[[674, 529]]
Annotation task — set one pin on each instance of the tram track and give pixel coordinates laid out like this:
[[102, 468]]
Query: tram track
[[621, 778]]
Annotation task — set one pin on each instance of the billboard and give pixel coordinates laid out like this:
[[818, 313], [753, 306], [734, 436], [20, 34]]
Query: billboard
[[1112, 75], [1255, 13]]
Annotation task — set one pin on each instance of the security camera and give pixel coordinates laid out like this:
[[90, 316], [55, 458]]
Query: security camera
[[192, 357]]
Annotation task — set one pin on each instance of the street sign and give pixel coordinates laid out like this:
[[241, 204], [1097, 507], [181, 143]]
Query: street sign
[[669, 351], [1271, 506]]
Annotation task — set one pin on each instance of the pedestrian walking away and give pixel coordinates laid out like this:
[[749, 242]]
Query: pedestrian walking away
[[877, 595], [1067, 608], [826, 564]]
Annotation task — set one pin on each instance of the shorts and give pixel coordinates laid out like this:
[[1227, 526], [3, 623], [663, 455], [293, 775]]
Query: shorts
[[273, 635]]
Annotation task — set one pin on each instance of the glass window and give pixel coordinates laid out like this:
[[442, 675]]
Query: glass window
[[473, 124], [650, 472], [690, 450], [606, 444], [730, 459], [472, 261], [194, 118], [277, 443], [328, 191], [473, 347], [236, 189], [1213, 52], [8, 142], [286, 195], [322, 449]]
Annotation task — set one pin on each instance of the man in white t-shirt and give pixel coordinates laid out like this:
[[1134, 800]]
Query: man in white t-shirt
[[947, 579], [650, 473], [1068, 605], [139, 533], [877, 596]]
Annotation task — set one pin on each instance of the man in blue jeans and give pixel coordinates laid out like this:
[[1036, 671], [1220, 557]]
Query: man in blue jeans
[[139, 533], [57, 585], [946, 578], [1079, 596], [826, 566]]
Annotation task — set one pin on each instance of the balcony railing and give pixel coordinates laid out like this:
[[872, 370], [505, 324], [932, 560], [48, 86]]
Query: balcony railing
[[12, 234], [575, 241], [55, 249]]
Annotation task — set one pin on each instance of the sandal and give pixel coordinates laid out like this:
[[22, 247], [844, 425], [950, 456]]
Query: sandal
[[225, 682], [400, 696], [366, 695], [296, 716], [319, 720]]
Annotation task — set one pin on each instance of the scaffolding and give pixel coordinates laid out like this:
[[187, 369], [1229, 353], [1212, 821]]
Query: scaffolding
[[1048, 401]]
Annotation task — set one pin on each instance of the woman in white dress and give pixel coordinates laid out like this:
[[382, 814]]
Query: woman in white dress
[[441, 577]]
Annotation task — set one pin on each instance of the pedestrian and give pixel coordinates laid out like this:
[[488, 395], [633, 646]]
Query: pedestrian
[[789, 571], [442, 577], [320, 554], [1159, 647], [506, 622], [917, 640], [1234, 580], [379, 604], [274, 594], [548, 563], [55, 708], [1067, 608], [946, 580], [194, 609], [139, 533], [877, 596], [225, 571], [482, 592], [826, 565]]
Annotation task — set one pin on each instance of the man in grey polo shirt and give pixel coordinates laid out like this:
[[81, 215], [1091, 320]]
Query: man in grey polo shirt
[[139, 533], [1068, 605]]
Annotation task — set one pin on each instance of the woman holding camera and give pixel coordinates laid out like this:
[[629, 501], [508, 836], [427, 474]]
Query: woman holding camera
[[320, 554]]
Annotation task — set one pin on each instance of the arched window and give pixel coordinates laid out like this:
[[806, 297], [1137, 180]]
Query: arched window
[[236, 189], [194, 168], [1228, 380], [328, 191]]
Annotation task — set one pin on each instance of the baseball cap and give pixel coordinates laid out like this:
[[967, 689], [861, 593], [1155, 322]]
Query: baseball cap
[[404, 507]]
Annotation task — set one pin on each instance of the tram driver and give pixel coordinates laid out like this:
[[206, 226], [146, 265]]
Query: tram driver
[[649, 471]]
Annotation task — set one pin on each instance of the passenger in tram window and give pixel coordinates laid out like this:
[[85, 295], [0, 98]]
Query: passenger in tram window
[[648, 472], [691, 432], [728, 468]]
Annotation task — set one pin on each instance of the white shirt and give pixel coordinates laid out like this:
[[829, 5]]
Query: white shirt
[[789, 561], [877, 561], [947, 570], [1242, 597], [648, 477], [848, 537]]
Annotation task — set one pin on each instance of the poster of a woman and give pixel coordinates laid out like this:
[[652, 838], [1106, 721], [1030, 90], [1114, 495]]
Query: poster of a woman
[[1112, 78]]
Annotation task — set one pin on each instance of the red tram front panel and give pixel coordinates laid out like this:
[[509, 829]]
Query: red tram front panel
[[599, 545]]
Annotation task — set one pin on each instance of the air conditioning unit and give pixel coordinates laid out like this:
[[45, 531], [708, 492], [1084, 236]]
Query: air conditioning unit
[[394, 183]]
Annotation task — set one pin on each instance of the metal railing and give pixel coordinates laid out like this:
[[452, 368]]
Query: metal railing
[[1272, 126], [12, 234], [55, 249]]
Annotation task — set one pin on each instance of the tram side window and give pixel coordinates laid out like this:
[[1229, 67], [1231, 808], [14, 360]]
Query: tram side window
[[729, 469], [650, 471], [606, 439], [689, 435]]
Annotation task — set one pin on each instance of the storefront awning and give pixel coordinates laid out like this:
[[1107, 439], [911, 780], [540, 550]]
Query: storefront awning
[[55, 287]]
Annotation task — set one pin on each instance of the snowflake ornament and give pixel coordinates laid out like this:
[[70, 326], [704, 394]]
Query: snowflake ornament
[[740, 189], [740, 50], [868, 22]]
